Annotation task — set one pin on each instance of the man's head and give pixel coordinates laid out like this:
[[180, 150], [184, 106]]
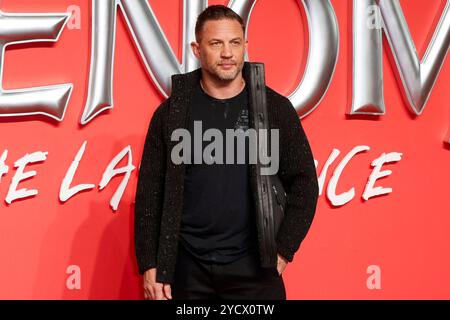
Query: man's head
[[220, 42]]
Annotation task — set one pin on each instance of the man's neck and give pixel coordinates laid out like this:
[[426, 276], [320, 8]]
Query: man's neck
[[221, 89]]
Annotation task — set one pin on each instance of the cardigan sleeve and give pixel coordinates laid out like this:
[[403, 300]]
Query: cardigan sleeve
[[150, 193], [298, 175]]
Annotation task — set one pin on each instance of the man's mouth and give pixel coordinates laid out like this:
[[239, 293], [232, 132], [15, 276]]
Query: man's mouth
[[226, 65]]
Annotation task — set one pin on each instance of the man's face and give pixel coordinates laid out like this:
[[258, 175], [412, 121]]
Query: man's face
[[221, 49]]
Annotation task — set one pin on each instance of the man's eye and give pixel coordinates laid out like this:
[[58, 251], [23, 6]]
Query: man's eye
[[235, 43], [215, 43]]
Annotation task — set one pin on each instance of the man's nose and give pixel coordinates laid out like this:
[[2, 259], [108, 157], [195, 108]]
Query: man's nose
[[227, 52]]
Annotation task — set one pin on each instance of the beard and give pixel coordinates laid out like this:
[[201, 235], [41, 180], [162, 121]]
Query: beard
[[216, 70]]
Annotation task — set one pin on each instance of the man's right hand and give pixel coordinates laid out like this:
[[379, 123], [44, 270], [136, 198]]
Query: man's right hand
[[154, 290]]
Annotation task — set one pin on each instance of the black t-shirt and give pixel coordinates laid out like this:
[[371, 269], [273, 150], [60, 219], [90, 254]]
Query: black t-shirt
[[218, 222]]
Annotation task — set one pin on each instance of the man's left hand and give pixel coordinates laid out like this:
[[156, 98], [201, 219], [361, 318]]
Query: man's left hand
[[281, 264]]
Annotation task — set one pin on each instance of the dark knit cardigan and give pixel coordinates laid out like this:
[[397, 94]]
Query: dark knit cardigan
[[159, 195]]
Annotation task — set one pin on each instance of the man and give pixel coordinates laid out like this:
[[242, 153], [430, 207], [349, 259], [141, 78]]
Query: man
[[195, 230]]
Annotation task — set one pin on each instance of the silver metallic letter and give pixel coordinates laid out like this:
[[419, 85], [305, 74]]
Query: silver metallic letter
[[50, 101], [322, 56], [418, 77], [368, 97]]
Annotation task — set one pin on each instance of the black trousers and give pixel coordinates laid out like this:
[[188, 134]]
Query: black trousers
[[240, 279]]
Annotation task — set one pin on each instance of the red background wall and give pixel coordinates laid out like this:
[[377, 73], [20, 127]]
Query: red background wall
[[404, 233]]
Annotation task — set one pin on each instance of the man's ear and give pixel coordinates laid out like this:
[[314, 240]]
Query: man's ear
[[195, 49]]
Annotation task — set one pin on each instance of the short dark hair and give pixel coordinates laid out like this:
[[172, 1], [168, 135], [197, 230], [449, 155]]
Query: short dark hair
[[216, 12]]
